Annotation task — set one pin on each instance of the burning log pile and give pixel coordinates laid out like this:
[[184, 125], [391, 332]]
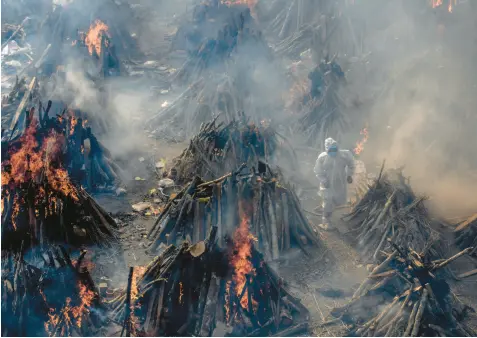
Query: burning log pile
[[276, 218], [220, 148], [466, 234], [49, 296], [390, 209], [193, 290], [402, 297], [40, 204]]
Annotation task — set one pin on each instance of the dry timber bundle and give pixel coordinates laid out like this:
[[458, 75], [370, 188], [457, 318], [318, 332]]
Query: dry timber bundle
[[50, 295], [199, 103], [324, 114], [284, 19], [220, 148], [466, 234], [391, 210], [403, 298], [275, 215], [41, 205], [299, 41], [216, 32], [200, 291]]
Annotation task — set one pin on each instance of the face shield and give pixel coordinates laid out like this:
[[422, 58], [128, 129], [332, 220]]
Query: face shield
[[333, 151]]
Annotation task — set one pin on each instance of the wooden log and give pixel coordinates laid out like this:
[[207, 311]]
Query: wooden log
[[286, 223], [419, 314], [127, 318], [22, 104], [292, 331], [273, 226], [376, 270], [449, 260], [468, 274]]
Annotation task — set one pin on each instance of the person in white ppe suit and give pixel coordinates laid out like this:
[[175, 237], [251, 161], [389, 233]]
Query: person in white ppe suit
[[334, 168]]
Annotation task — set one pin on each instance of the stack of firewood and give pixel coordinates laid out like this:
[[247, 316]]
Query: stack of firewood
[[272, 210], [41, 205], [390, 209], [48, 296], [402, 297], [198, 290], [220, 148], [466, 233]]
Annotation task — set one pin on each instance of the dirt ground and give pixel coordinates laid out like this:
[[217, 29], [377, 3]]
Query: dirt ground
[[322, 281]]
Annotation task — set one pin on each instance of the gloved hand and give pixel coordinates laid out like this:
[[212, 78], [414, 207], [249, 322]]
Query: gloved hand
[[349, 179], [325, 184]]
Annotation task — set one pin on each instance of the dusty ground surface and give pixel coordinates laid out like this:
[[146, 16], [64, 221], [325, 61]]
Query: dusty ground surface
[[322, 281]]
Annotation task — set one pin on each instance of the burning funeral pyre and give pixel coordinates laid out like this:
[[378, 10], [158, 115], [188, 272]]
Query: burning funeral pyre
[[274, 213], [220, 148], [200, 291], [50, 295], [391, 210], [466, 234], [40, 203], [402, 297]]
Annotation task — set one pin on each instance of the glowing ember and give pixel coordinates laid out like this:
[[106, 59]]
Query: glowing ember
[[241, 258], [227, 302], [73, 124], [249, 3], [181, 292], [16, 210], [94, 36], [360, 145], [436, 3]]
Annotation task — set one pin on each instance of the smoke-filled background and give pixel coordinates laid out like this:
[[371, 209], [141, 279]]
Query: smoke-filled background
[[423, 115], [413, 76]]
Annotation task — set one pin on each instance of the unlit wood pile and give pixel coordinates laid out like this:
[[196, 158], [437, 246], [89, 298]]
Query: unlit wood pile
[[402, 297], [216, 33], [48, 296], [200, 291], [270, 209], [466, 234], [390, 209], [220, 148], [322, 116], [40, 205]]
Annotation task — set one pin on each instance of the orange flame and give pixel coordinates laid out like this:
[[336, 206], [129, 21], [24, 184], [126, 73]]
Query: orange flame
[[242, 239], [30, 162], [360, 145], [450, 4], [138, 272], [94, 36], [86, 298], [249, 3]]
